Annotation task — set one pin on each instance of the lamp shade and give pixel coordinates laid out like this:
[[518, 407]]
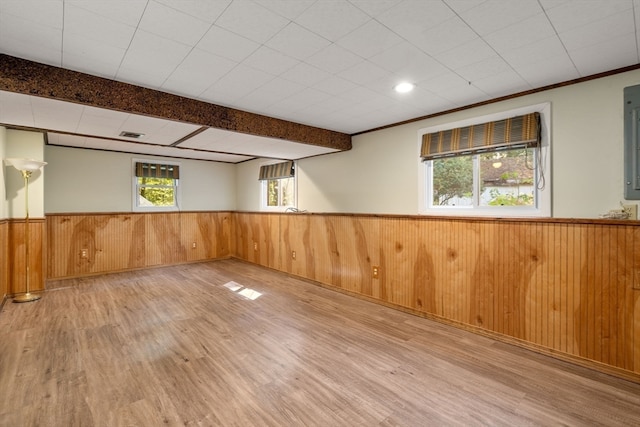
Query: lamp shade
[[25, 164]]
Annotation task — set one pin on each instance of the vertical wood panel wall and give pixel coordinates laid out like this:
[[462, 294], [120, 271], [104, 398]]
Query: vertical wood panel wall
[[12, 233], [4, 259], [118, 242], [571, 287]]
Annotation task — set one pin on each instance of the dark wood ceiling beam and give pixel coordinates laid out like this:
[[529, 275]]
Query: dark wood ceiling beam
[[32, 78]]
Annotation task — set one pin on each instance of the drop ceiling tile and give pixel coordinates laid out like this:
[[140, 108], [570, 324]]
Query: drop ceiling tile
[[241, 81], [270, 61], [335, 85], [251, 20], [305, 74], [15, 109], [207, 11], [153, 55], [56, 115], [286, 8], [297, 42], [374, 8], [502, 84], [333, 59], [615, 53], [493, 15], [411, 18], [224, 43], [172, 24], [444, 36], [566, 16], [332, 20], [48, 13], [466, 54], [548, 70], [483, 69], [21, 38], [408, 61], [92, 27], [364, 73], [610, 27], [128, 12], [197, 72], [91, 57], [370, 39], [269, 93], [156, 131], [535, 53], [525, 32], [101, 122], [461, 6]]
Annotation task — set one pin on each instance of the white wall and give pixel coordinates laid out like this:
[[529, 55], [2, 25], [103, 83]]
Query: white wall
[[3, 169], [80, 180], [30, 145], [380, 173]]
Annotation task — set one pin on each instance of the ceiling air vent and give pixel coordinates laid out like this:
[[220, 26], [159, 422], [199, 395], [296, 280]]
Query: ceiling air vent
[[135, 135]]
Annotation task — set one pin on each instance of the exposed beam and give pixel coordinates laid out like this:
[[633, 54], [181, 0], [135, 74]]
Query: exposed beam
[[32, 78]]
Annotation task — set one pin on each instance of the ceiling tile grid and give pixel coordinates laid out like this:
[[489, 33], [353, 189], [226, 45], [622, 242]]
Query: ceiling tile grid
[[324, 63]]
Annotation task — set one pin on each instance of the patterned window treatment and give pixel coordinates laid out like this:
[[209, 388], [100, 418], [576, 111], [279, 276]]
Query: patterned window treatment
[[153, 170], [520, 131], [277, 171]]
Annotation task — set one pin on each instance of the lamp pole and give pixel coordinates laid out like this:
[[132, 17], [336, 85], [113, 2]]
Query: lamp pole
[[26, 168]]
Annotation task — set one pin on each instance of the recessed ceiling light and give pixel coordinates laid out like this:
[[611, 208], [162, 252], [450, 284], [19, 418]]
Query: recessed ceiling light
[[404, 87], [127, 134]]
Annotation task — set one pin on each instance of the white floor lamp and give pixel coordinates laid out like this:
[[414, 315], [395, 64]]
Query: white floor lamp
[[26, 168]]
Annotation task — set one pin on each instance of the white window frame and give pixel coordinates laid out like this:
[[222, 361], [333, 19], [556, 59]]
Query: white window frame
[[134, 188], [543, 195], [263, 191]]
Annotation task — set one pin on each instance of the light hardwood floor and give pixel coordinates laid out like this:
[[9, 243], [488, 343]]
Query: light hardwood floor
[[174, 346]]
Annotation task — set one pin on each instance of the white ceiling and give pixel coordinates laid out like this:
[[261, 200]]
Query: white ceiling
[[325, 63]]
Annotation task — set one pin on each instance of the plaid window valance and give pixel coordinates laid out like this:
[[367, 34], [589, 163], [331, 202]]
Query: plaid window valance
[[521, 131]]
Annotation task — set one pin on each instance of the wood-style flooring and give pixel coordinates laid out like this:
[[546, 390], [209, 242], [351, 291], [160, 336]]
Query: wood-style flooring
[[174, 346]]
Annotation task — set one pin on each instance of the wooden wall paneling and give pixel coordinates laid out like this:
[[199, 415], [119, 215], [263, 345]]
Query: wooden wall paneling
[[256, 233], [223, 224], [118, 242], [111, 243], [405, 259], [270, 230], [163, 239], [16, 250], [352, 251], [632, 303], [295, 237], [197, 235], [4, 259]]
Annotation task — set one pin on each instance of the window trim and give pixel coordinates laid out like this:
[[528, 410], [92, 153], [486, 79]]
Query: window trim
[[134, 188], [543, 199], [263, 190]]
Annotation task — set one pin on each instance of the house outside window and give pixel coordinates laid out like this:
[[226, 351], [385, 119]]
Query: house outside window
[[504, 180]]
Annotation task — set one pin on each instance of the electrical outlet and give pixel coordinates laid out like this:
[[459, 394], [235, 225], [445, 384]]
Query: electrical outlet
[[293, 254], [376, 271], [193, 245], [255, 246], [632, 210], [84, 253]]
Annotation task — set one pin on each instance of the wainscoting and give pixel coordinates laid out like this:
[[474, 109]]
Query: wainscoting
[[13, 255], [80, 245], [565, 287], [562, 287]]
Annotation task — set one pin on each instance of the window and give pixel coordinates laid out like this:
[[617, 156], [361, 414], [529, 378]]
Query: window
[[155, 186], [493, 166], [278, 182]]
